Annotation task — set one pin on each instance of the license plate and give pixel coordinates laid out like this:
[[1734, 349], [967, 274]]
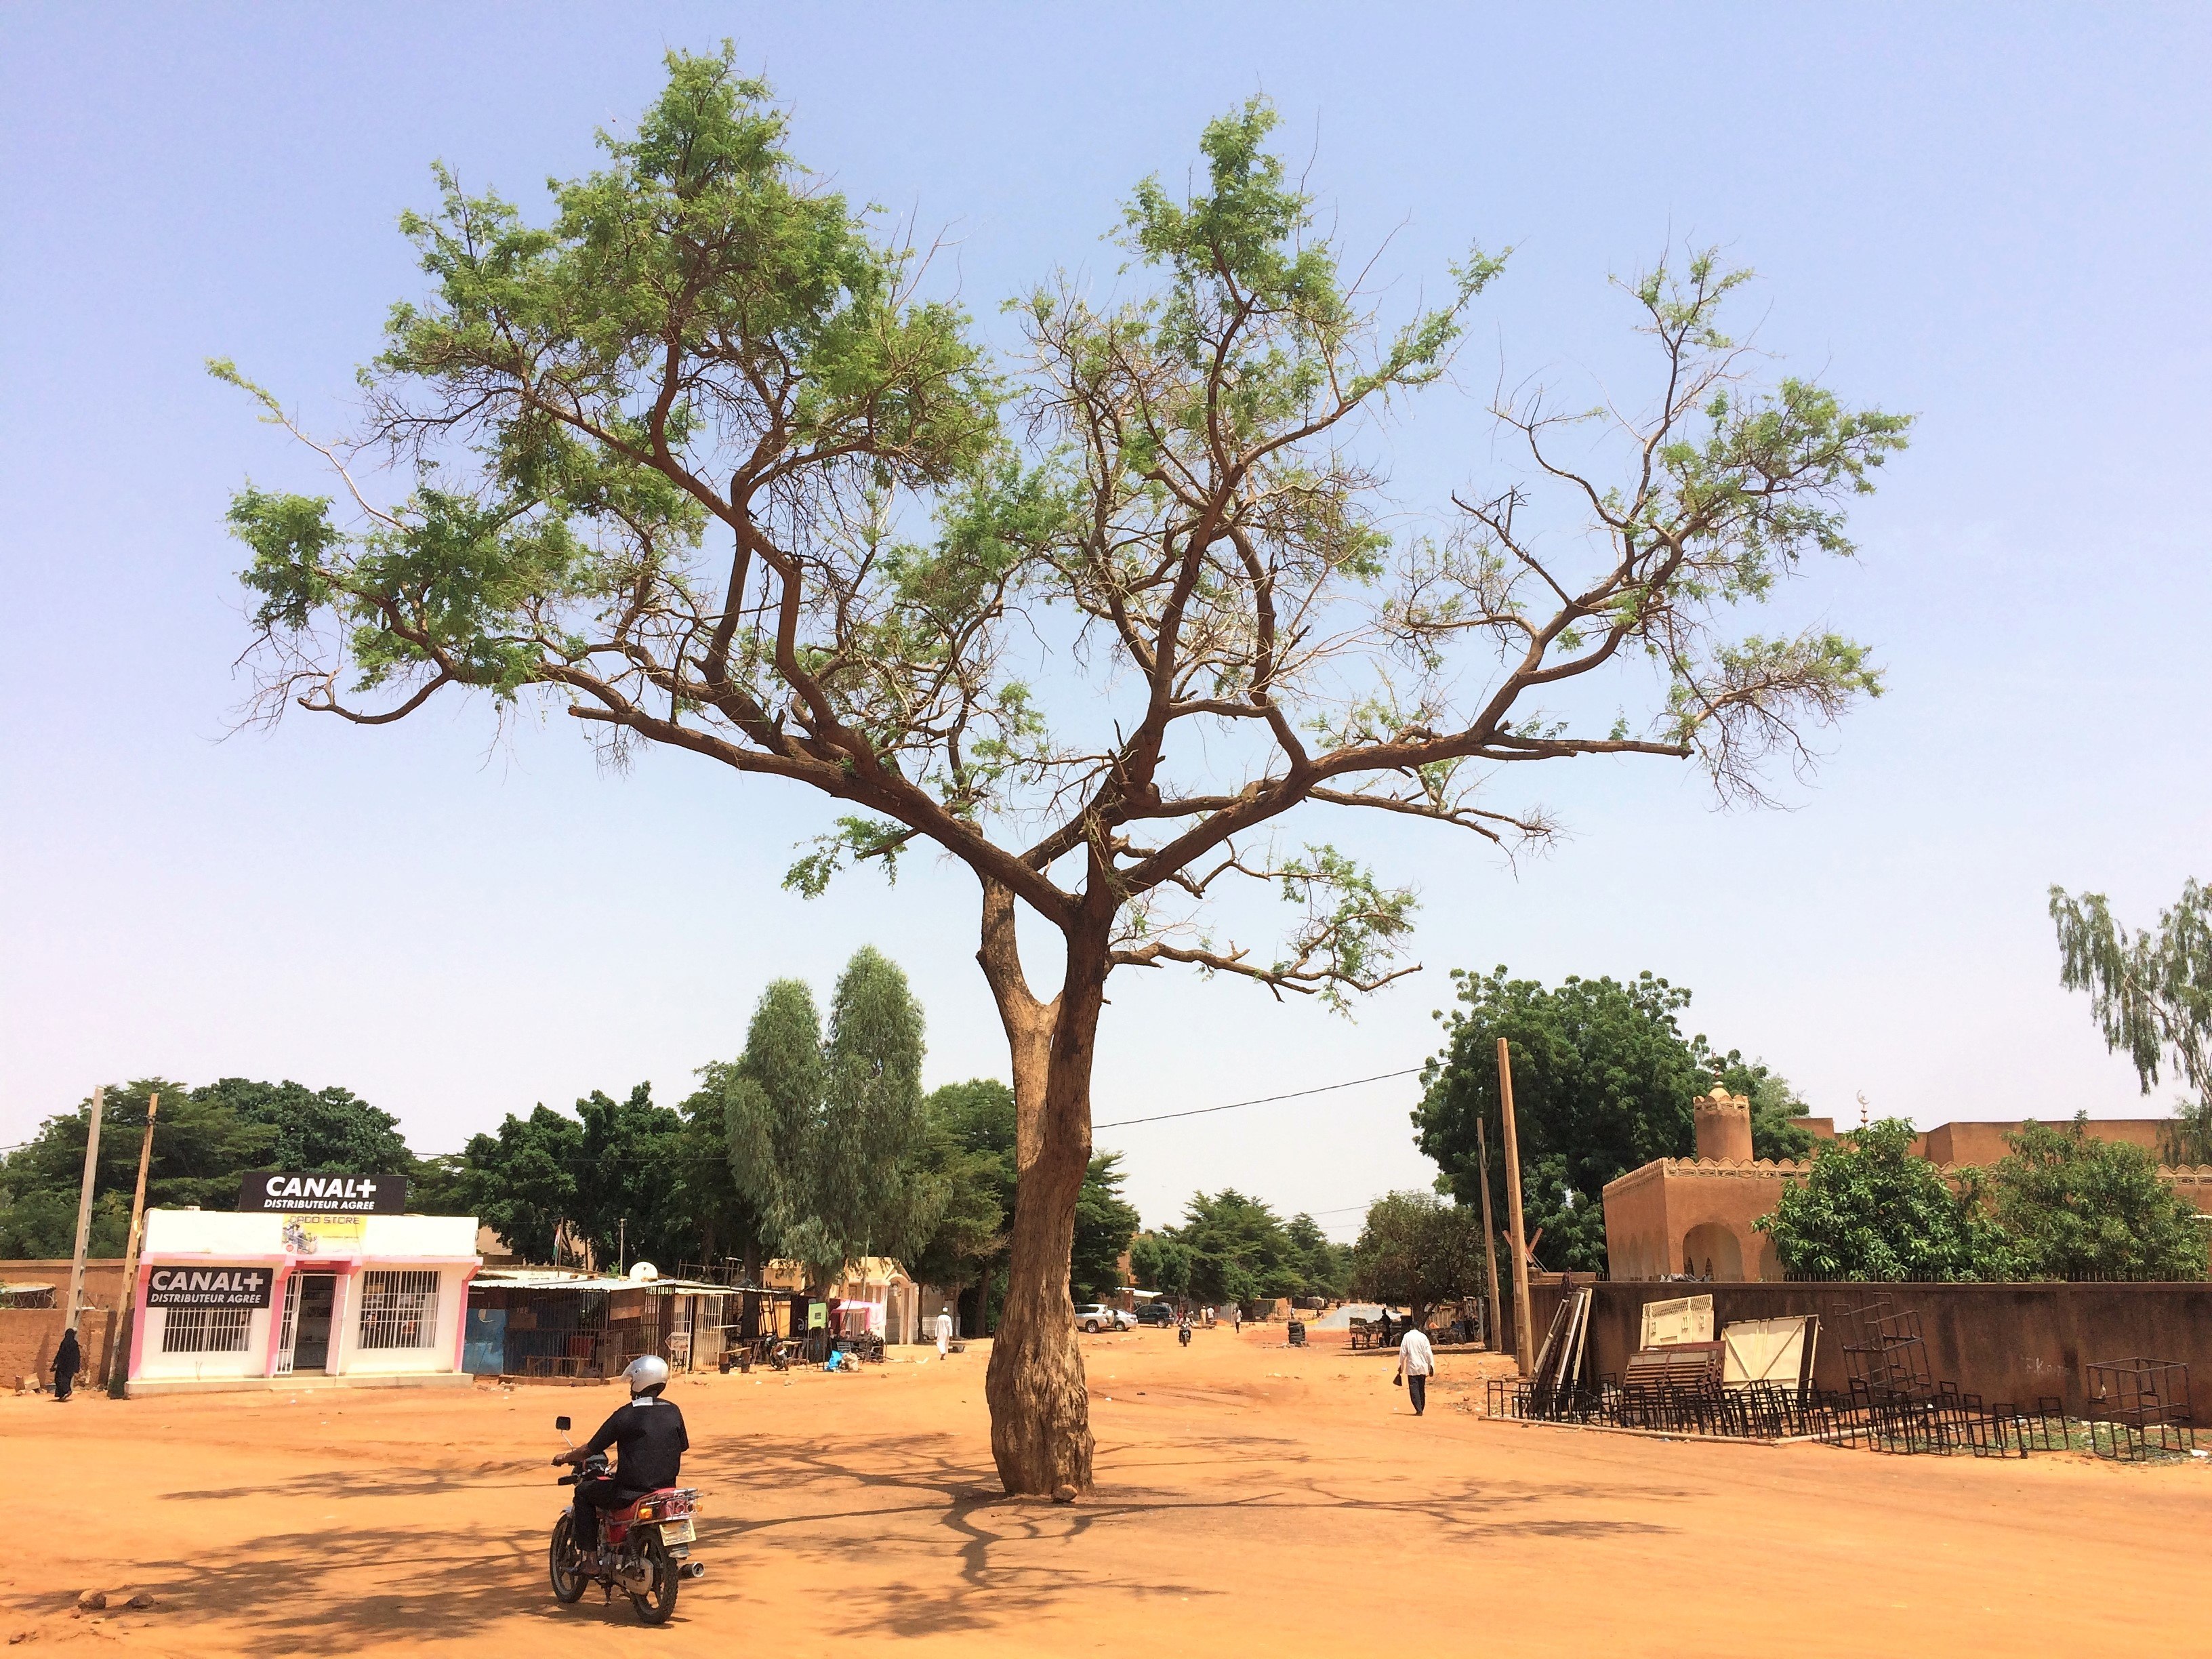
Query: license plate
[[678, 1532]]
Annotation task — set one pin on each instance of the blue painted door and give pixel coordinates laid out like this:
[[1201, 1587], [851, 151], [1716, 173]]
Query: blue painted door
[[484, 1354]]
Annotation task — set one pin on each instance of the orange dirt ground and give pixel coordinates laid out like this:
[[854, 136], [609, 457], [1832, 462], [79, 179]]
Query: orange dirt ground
[[1251, 1499]]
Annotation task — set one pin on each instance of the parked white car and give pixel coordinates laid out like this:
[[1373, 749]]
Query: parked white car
[[1097, 1317]]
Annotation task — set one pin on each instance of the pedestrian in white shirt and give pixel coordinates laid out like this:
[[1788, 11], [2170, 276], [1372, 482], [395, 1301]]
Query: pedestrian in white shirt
[[1417, 1362], [944, 1332]]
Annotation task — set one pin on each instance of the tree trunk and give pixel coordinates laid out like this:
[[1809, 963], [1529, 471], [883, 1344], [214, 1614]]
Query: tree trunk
[[1040, 1403]]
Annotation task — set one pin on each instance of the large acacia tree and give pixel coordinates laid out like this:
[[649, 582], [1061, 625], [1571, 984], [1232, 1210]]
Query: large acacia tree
[[694, 460]]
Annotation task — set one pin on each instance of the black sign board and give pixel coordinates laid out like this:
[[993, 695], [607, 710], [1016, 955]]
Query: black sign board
[[208, 1287], [277, 1193]]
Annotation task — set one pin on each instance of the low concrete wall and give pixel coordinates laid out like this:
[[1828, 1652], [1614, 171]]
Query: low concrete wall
[[2011, 1343]]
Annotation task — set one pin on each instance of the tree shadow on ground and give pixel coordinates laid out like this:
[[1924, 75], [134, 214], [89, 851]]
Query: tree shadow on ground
[[946, 1551]]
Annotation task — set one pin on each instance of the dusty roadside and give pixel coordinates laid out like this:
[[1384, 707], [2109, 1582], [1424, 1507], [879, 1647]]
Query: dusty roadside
[[1251, 1497]]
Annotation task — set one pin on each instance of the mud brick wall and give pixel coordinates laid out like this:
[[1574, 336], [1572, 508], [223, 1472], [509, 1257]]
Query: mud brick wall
[[2009, 1343]]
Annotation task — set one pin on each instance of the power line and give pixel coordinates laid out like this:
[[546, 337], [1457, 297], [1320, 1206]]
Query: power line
[[1264, 1100]]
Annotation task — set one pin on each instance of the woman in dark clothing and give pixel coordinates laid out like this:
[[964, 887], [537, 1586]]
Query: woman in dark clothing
[[68, 1362]]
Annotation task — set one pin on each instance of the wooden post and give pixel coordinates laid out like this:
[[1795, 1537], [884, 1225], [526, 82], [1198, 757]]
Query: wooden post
[[1523, 1338], [1489, 1238], [120, 1360], [84, 1208]]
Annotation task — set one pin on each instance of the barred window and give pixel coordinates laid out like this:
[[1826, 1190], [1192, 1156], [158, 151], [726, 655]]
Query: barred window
[[204, 1330], [399, 1308]]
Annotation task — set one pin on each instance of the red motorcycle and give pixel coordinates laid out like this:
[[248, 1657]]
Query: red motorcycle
[[644, 1550]]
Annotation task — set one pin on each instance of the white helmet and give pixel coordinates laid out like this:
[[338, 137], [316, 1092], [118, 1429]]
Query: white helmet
[[647, 1371]]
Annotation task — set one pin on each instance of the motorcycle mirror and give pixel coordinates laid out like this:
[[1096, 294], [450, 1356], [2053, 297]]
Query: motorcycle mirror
[[561, 1425]]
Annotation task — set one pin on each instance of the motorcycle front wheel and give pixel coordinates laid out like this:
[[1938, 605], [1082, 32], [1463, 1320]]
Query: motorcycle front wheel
[[656, 1605], [563, 1565]]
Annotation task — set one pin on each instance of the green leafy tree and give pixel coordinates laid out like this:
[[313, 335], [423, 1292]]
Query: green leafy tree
[[2151, 994], [1872, 1208], [1104, 1223], [771, 1097], [1773, 1104], [1603, 1082], [439, 1185], [1162, 1262], [316, 1129], [827, 1136], [970, 1155], [1323, 1264], [1182, 532], [1239, 1250], [727, 1224], [522, 1181], [1417, 1250], [201, 1148], [2073, 1206], [628, 1196]]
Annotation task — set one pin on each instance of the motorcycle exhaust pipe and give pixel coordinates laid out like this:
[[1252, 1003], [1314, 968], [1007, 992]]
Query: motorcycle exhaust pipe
[[693, 1570]]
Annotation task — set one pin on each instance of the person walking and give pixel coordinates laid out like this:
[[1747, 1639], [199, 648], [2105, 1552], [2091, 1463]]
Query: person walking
[[68, 1362], [1236, 1319], [1417, 1362], [944, 1332]]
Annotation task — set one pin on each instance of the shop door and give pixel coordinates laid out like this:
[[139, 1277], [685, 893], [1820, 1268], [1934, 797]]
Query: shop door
[[311, 1322]]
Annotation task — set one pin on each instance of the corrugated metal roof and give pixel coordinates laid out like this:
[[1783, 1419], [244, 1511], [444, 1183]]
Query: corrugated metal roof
[[565, 1278]]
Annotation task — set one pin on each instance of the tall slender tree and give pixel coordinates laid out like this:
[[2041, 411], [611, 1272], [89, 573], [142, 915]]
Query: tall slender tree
[[2151, 994], [827, 1138], [1097, 654]]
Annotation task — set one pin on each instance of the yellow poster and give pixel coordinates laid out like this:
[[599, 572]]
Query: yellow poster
[[323, 1235]]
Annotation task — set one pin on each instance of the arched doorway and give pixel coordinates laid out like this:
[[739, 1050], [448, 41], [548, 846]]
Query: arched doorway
[[1711, 1243]]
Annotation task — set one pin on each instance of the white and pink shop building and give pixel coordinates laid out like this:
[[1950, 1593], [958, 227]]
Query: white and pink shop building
[[240, 1301]]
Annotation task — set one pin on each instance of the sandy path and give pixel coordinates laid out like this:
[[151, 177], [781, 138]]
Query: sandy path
[[1251, 1498]]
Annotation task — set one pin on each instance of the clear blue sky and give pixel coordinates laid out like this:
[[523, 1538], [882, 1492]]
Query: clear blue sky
[[2000, 218]]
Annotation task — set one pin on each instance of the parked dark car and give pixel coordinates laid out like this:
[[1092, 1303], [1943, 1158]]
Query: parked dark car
[[1156, 1313]]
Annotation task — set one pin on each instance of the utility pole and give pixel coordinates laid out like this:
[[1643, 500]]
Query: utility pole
[[1523, 1344], [120, 1360], [84, 1208], [1489, 1237]]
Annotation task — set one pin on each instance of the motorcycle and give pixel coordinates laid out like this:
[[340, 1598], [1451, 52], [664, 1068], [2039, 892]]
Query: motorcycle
[[644, 1548], [1182, 1333]]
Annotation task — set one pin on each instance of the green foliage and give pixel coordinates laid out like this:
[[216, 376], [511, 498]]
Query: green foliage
[[1232, 1249], [205, 1139], [1872, 1209], [729, 1226], [1603, 1080], [1104, 1223], [2151, 994], [2072, 1207], [521, 1180], [322, 1129], [627, 1186], [969, 1157], [1773, 1103], [1162, 1262], [828, 1139], [1417, 1250], [1325, 1265], [2185, 1142]]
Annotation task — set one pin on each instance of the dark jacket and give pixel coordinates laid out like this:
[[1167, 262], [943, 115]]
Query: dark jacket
[[649, 1440], [68, 1359]]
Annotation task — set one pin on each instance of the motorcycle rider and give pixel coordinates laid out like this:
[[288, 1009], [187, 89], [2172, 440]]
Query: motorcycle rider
[[648, 1437]]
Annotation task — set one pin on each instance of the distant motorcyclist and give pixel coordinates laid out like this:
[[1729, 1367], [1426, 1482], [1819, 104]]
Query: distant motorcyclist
[[649, 1440]]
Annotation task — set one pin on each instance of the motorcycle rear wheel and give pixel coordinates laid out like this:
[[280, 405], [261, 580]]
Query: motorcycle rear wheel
[[658, 1604], [567, 1586]]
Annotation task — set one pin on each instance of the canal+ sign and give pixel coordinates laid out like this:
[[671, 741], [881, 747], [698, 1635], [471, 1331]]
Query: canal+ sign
[[207, 1287], [267, 1192]]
